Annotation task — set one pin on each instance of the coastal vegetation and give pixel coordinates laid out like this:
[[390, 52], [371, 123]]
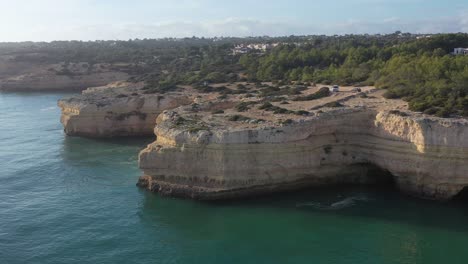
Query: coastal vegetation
[[421, 71], [323, 92], [417, 68]]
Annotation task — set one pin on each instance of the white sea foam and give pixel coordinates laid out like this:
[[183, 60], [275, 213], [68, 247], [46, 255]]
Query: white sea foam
[[341, 204], [49, 108]]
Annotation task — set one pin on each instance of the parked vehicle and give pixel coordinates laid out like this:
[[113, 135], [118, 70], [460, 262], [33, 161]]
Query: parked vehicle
[[335, 89]]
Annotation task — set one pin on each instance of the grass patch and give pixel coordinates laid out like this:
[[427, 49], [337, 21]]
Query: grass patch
[[267, 106], [244, 106], [192, 126], [287, 122], [238, 118]]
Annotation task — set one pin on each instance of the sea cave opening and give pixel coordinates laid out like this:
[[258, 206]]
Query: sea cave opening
[[462, 196]]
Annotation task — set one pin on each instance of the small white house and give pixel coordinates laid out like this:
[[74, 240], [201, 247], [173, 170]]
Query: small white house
[[460, 51], [335, 89]]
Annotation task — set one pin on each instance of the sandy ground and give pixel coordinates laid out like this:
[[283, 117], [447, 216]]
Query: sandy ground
[[217, 108], [347, 96]]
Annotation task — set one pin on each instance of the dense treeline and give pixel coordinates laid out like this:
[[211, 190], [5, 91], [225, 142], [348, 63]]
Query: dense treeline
[[156, 61], [434, 84], [148, 56], [137, 50], [421, 71]]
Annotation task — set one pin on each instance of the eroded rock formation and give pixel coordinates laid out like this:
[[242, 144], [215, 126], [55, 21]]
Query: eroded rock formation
[[229, 143], [197, 159], [119, 109]]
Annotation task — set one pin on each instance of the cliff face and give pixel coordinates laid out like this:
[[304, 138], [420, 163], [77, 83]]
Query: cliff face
[[223, 145], [426, 156], [115, 110]]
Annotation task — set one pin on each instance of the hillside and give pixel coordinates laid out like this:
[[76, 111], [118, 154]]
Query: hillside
[[420, 70]]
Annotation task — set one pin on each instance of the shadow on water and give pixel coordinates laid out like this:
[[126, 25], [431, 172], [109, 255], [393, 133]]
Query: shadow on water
[[372, 203], [100, 151], [77, 148], [367, 203], [90, 163], [461, 197], [69, 141]]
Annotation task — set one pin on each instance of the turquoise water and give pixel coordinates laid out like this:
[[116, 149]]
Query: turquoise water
[[74, 200]]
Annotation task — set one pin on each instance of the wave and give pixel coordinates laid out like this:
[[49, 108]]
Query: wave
[[341, 204], [48, 108]]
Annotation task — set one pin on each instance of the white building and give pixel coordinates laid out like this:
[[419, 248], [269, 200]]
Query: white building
[[423, 37], [260, 47], [460, 51]]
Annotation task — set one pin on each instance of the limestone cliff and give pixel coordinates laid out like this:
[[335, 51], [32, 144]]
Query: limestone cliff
[[194, 158], [119, 109], [228, 142]]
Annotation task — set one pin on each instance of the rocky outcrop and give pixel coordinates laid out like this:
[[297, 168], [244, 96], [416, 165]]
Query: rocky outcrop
[[15, 76], [219, 145], [119, 109], [427, 157]]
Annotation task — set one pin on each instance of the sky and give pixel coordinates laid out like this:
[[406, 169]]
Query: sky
[[47, 20]]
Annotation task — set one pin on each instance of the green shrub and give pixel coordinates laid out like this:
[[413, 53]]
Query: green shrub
[[333, 104], [444, 112], [244, 106], [238, 118], [267, 106], [215, 112], [302, 113], [287, 122], [323, 92]]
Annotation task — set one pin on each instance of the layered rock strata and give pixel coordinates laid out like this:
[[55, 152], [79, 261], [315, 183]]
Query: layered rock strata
[[196, 158], [229, 143], [119, 109]]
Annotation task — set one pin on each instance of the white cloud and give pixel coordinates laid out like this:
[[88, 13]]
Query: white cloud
[[105, 19], [227, 27], [236, 27]]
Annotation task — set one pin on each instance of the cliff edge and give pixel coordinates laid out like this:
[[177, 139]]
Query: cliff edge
[[235, 140], [213, 154], [117, 109]]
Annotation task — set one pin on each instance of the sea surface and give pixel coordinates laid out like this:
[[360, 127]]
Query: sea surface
[[74, 200]]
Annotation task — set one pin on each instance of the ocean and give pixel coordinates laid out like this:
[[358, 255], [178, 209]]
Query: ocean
[[74, 200]]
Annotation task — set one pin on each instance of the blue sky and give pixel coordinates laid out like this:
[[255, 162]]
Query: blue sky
[[45, 20]]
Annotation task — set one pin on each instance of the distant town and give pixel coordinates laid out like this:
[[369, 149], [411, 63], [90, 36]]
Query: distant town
[[259, 47]]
